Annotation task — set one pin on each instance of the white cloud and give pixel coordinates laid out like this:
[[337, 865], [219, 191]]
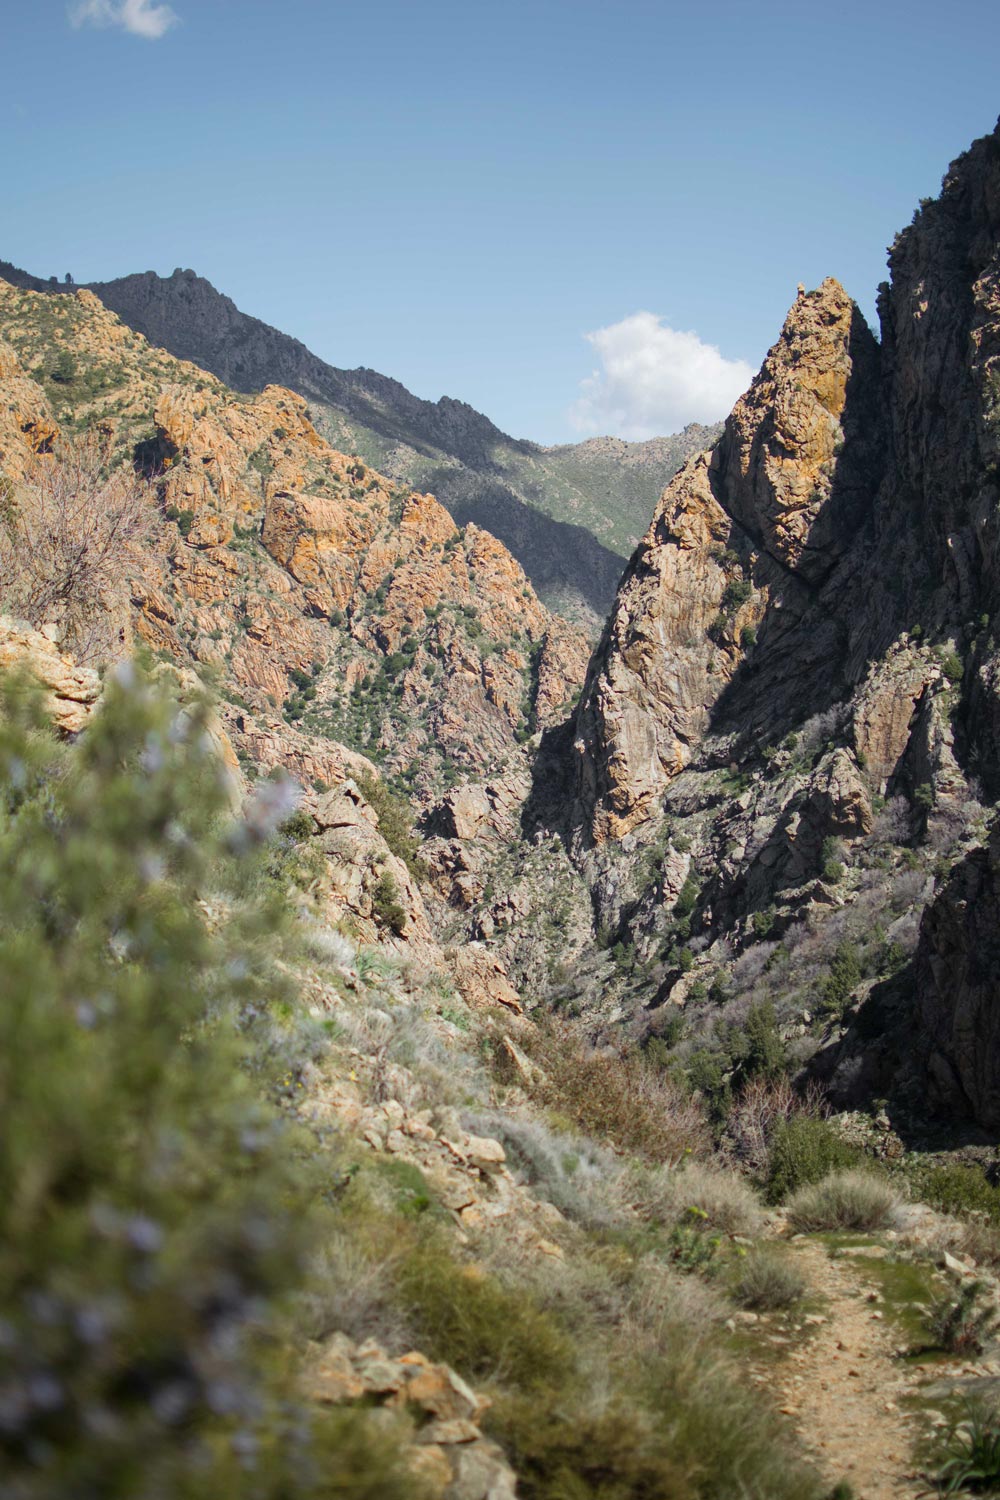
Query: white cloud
[[140, 17], [653, 380]]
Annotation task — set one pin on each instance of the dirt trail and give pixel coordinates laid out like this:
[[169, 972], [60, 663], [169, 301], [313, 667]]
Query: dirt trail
[[842, 1388]]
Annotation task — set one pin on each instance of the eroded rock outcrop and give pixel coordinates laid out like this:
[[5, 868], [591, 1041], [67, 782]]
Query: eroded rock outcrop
[[439, 1412], [742, 538], [69, 690], [363, 882]]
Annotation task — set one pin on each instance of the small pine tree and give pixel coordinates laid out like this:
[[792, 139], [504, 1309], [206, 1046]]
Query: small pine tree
[[843, 980], [386, 903], [395, 821], [64, 369], [767, 1055]]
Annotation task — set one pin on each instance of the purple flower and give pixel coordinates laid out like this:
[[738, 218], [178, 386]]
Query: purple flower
[[272, 803], [144, 1234]]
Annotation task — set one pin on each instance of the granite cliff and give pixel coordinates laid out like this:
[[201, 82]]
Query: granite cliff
[[807, 635]]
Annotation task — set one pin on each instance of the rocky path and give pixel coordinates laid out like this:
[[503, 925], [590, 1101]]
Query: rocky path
[[842, 1388]]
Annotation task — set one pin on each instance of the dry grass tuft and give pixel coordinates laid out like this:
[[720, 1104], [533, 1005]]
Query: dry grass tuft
[[845, 1200], [768, 1282], [725, 1199]]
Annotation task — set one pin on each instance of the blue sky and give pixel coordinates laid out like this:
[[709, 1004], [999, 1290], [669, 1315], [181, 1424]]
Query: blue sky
[[458, 194]]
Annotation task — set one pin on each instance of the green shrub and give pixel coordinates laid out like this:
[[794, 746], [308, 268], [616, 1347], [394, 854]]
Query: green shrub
[[959, 1189], [564, 1453], [844, 1200], [691, 1245], [154, 1213], [260, 460], [706, 1075], [970, 1455], [951, 666], [676, 1427], [410, 1188], [64, 369], [803, 1150], [843, 979], [831, 862], [623, 956], [762, 922], [766, 1054], [487, 1332], [961, 1324], [736, 594], [718, 990], [748, 636], [395, 822], [768, 1282], [298, 827], [184, 519], [386, 903], [687, 898]]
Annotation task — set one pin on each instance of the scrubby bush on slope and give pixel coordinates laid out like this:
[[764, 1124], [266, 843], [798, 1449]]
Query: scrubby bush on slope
[[62, 536]]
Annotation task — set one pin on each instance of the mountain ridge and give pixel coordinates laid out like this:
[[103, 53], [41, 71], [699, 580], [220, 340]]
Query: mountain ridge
[[570, 529]]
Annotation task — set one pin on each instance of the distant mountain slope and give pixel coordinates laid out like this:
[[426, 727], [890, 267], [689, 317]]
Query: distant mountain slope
[[570, 514]]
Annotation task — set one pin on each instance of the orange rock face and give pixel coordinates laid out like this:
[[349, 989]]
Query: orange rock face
[[70, 691], [333, 606]]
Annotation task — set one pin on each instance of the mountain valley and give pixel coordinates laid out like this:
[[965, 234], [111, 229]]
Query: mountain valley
[[630, 995]]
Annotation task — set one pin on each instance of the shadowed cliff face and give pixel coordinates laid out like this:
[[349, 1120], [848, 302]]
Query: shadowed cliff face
[[807, 632], [938, 517], [854, 494], [958, 988]]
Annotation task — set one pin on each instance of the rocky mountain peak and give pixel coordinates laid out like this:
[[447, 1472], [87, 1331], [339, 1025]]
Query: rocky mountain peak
[[753, 527], [777, 465], [570, 514], [337, 605]]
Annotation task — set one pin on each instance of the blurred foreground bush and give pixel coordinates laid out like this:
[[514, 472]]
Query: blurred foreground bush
[[154, 1212]]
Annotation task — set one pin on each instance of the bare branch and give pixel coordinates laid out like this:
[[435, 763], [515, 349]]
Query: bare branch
[[65, 532]]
